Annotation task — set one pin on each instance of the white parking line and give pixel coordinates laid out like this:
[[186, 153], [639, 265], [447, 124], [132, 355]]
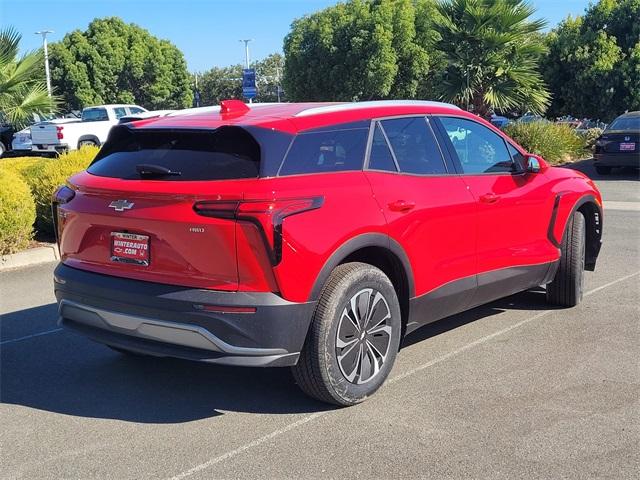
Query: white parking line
[[27, 337], [629, 206], [309, 418]]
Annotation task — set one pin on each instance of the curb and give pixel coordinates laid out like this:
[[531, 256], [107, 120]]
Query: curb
[[32, 256]]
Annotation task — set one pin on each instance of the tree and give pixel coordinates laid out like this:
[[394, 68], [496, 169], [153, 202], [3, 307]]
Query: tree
[[492, 50], [269, 73], [220, 83], [593, 63], [23, 91], [358, 50], [116, 62]]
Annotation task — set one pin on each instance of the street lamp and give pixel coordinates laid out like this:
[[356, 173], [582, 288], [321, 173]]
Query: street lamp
[[46, 57], [246, 50]]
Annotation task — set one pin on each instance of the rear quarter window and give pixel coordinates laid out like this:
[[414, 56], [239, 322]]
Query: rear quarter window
[[324, 151], [225, 153]]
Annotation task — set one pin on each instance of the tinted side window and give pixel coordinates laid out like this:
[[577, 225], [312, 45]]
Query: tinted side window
[[135, 110], [479, 149], [380, 157], [414, 145], [94, 115], [326, 151], [120, 112]]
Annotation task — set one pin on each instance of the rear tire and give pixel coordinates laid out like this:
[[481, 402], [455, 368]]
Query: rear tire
[[568, 284], [603, 170], [353, 338]]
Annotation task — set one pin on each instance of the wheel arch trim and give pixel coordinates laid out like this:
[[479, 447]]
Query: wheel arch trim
[[357, 243], [593, 225]]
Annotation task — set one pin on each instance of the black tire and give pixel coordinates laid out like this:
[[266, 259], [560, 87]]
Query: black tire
[[568, 284], [600, 170], [321, 371]]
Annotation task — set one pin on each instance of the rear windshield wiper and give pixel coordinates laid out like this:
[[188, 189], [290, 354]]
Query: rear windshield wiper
[[150, 170]]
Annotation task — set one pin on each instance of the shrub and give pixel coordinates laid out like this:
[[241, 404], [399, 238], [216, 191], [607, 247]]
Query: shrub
[[590, 136], [556, 143], [17, 213], [55, 172], [27, 168]]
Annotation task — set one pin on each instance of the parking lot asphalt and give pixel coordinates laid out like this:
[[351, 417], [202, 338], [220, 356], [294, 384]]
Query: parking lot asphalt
[[509, 390]]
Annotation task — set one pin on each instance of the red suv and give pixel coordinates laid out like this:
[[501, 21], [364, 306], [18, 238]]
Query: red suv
[[311, 235]]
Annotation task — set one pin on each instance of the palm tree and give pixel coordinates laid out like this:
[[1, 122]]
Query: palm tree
[[23, 91], [491, 51]]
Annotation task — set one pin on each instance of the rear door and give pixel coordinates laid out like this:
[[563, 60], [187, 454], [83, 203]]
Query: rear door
[[429, 212], [133, 214], [514, 207]]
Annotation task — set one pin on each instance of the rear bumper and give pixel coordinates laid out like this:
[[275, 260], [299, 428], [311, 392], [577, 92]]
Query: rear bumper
[[166, 320], [617, 159]]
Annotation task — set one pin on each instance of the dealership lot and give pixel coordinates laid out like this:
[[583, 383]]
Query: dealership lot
[[507, 390]]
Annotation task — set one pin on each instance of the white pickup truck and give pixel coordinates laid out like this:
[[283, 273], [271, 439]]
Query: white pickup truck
[[92, 129]]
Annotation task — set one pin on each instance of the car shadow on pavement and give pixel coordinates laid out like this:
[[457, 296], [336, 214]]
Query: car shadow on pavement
[[65, 373], [587, 167]]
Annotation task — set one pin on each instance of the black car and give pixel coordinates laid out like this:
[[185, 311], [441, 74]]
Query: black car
[[619, 144], [6, 136]]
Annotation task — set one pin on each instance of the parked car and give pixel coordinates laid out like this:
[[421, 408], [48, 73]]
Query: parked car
[[312, 235], [619, 144], [6, 133], [499, 121], [92, 129], [22, 144]]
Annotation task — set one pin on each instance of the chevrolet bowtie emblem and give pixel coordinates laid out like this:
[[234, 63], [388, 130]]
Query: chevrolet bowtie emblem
[[121, 205]]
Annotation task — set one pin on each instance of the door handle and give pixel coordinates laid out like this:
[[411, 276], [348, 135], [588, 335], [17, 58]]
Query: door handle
[[489, 198], [401, 206]]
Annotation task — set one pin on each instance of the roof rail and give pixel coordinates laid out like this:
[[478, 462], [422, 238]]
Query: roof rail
[[341, 107]]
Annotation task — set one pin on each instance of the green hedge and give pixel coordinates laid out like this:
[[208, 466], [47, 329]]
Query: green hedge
[[556, 143], [17, 213], [49, 176], [41, 177]]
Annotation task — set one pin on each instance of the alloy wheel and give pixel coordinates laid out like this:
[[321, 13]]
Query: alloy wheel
[[363, 336]]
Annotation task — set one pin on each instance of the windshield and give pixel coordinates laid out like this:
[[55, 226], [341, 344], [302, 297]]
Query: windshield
[[625, 123]]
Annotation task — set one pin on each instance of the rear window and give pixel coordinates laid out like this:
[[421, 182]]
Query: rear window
[[222, 154], [326, 151], [94, 115]]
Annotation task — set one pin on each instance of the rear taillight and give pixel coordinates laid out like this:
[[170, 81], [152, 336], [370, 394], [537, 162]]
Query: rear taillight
[[266, 214], [59, 132], [61, 196]]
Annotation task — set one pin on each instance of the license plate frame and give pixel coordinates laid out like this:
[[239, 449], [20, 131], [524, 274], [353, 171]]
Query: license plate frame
[[628, 146], [130, 248]]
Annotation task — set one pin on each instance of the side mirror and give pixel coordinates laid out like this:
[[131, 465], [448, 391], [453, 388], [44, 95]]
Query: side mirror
[[536, 164]]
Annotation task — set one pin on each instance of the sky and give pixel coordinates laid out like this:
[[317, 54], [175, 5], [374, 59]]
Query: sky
[[207, 32]]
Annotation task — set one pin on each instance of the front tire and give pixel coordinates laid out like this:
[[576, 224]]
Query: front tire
[[568, 284], [353, 338]]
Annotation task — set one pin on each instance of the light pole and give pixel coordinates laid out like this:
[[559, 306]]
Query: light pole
[[246, 55], [46, 57], [246, 51]]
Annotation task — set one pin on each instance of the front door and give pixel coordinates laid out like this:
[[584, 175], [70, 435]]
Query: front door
[[514, 207]]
